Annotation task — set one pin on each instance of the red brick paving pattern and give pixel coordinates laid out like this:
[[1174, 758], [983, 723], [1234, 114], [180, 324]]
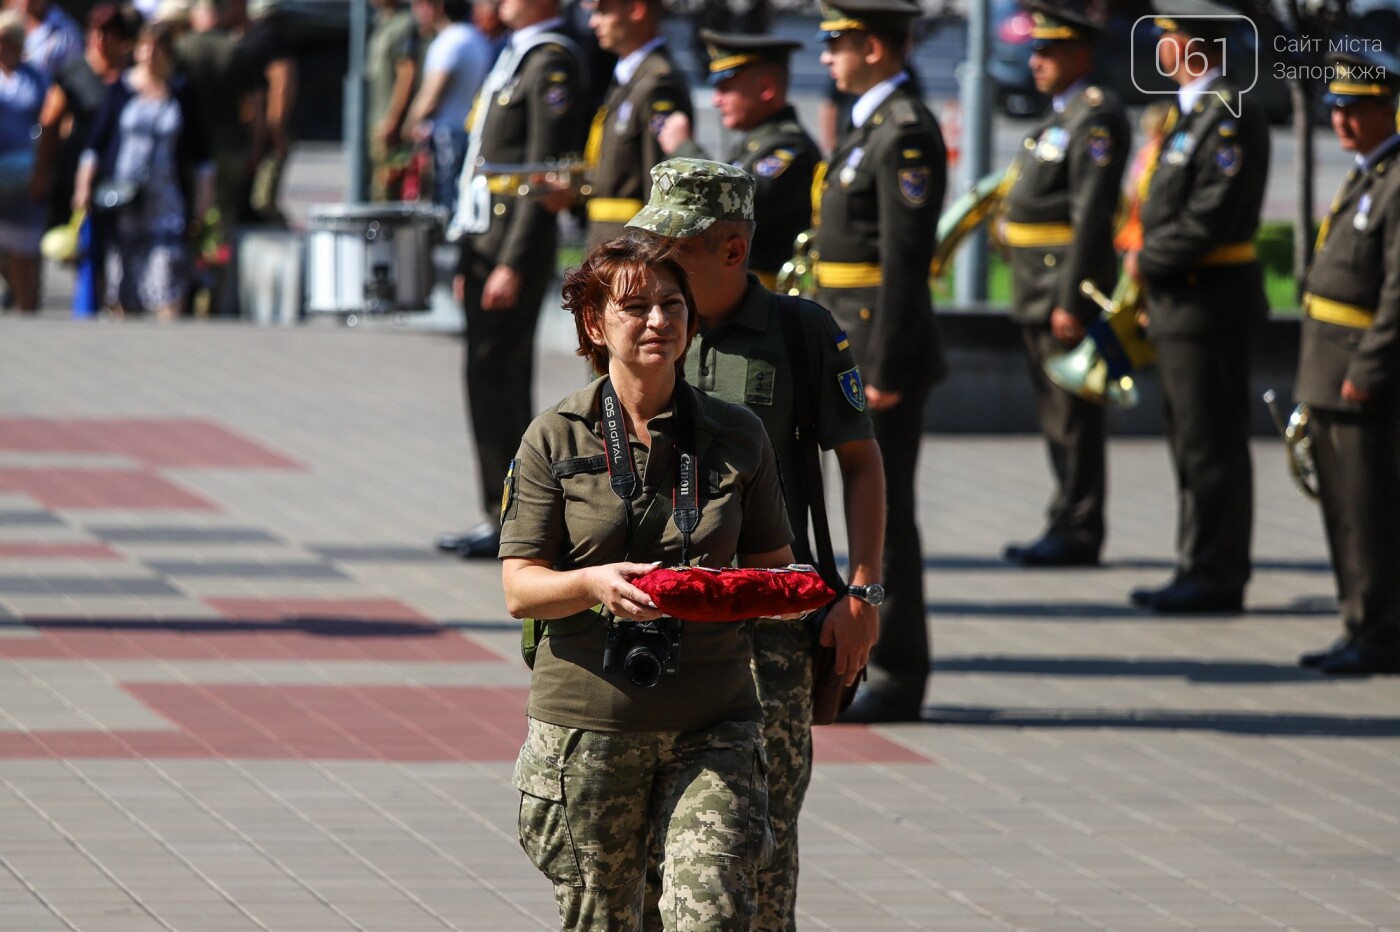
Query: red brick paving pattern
[[100, 488], [155, 442], [384, 723], [257, 629]]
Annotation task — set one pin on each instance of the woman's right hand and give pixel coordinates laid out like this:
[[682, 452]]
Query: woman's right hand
[[611, 584]]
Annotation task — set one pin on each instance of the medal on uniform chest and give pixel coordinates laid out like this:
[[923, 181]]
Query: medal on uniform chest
[[1053, 144], [624, 115], [848, 171], [1179, 148], [1363, 213]]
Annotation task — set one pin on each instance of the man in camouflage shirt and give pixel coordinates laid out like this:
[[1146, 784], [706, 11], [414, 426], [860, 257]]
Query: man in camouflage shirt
[[740, 355]]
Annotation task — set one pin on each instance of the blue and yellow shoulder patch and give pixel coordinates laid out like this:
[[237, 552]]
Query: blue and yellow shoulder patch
[[508, 492], [852, 389], [914, 185], [843, 343], [771, 166]]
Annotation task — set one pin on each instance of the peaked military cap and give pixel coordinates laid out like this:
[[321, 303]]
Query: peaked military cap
[[1358, 76], [1194, 17], [1052, 23], [689, 195], [887, 17], [731, 51]]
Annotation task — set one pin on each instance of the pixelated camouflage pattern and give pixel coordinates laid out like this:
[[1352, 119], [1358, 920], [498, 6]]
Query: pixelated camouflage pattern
[[590, 801], [688, 195], [782, 669]]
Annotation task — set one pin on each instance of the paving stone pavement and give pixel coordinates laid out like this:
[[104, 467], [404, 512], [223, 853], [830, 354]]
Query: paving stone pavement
[[238, 690]]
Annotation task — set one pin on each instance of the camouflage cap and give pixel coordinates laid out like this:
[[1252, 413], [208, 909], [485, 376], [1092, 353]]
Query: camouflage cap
[[689, 195]]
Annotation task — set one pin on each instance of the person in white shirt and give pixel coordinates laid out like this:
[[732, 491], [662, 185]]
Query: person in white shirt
[[455, 65]]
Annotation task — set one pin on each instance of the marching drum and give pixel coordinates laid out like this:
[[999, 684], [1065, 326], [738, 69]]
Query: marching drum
[[371, 258]]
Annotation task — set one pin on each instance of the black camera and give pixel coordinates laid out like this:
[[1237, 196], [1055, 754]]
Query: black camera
[[647, 649]]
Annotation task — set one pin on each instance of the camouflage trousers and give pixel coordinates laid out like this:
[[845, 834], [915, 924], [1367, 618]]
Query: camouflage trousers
[[782, 669], [590, 801]]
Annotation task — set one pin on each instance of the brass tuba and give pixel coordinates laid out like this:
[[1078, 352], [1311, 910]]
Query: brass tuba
[[1100, 369], [1301, 465], [975, 207]]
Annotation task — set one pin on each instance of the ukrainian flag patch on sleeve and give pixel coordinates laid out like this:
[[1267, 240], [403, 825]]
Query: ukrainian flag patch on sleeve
[[842, 344]]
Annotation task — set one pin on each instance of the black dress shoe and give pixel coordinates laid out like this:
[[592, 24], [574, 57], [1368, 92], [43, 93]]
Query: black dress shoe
[[1360, 658], [1314, 658], [1189, 596], [1051, 550], [870, 707], [483, 540]]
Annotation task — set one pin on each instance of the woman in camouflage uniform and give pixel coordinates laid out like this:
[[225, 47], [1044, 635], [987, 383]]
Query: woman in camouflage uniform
[[609, 763]]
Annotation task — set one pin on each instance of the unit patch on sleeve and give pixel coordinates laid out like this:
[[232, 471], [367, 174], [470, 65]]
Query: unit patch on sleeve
[[1100, 146], [851, 388], [914, 185], [771, 166]]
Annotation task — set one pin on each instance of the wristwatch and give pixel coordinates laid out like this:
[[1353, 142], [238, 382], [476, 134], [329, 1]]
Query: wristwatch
[[873, 593]]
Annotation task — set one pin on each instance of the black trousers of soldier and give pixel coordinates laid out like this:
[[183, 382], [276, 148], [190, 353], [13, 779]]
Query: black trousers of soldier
[[1205, 383], [1074, 440], [499, 370], [1358, 472], [899, 664]]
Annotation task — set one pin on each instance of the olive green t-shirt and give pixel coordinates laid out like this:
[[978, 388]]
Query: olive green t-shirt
[[559, 507], [745, 360]]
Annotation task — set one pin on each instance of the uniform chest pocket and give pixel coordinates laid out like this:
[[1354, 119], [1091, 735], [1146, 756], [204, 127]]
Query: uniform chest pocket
[[625, 122], [758, 383], [1360, 248]]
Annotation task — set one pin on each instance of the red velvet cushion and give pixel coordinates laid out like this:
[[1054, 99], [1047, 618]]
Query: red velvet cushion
[[703, 594]]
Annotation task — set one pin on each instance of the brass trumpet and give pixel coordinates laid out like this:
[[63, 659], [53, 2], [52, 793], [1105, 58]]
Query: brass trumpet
[[1302, 467], [1100, 369]]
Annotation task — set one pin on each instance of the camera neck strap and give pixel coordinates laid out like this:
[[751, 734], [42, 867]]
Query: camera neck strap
[[622, 470]]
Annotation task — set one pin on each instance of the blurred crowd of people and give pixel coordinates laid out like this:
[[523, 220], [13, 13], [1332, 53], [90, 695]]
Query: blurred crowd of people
[[144, 136]]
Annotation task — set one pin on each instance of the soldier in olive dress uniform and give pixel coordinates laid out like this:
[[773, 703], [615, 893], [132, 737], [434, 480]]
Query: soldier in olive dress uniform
[[1204, 290], [750, 78], [741, 355], [1059, 217], [882, 192], [527, 112], [646, 88], [1349, 369]]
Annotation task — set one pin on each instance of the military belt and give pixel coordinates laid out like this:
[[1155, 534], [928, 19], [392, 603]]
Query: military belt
[[535, 630], [768, 280], [1229, 254], [1037, 234], [1335, 312], [613, 209], [849, 274]]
